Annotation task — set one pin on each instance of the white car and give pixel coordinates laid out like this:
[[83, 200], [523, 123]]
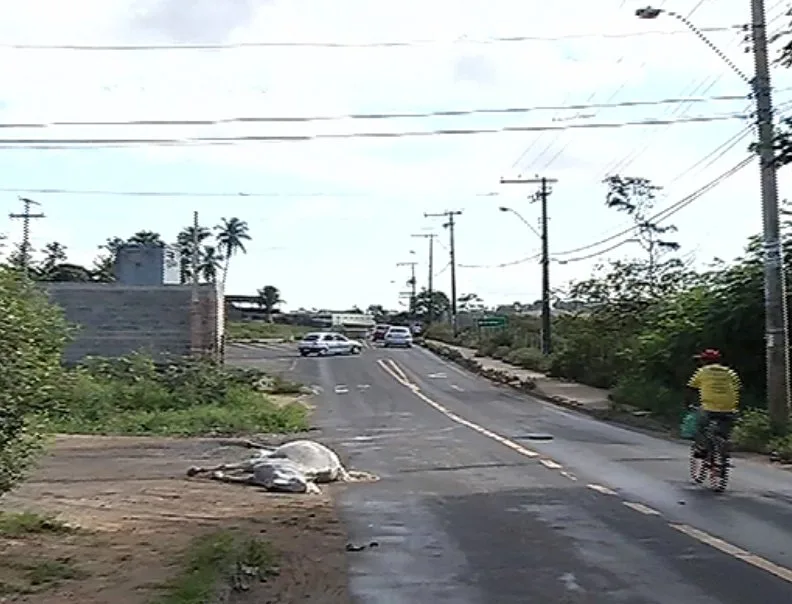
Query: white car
[[325, 343], [398, 336]]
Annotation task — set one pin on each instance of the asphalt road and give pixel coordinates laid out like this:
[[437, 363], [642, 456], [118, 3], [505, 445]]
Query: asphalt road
[[471, 508]]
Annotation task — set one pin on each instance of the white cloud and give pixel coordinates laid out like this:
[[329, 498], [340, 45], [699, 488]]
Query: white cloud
[[402, 177]]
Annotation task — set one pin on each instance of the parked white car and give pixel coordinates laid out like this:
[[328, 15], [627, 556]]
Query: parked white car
[[325, 343], [398, 336]]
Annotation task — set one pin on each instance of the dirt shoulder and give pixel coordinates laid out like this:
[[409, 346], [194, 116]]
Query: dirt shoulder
[[138, 514]]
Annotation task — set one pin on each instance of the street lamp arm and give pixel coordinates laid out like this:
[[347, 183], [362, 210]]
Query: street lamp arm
[[650, 12], [522, 218]]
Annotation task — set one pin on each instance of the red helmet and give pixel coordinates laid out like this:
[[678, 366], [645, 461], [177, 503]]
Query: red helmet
[[710, 355]]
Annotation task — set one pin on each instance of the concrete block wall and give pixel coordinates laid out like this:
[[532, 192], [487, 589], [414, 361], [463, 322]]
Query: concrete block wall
[[115, 319]]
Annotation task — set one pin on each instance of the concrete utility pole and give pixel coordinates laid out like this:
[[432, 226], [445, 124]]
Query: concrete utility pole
[[450, 215], [776, 317], [542, 195], [430, 287], [195, 307], [412, 283], [26, 216]]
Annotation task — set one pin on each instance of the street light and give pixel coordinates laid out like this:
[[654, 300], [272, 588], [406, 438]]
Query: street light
[[521, 217], [776, 340]]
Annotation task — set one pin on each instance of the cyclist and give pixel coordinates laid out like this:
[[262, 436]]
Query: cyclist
[[718, 389]]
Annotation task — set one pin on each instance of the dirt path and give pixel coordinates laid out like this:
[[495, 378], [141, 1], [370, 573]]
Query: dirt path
[[139, 512]]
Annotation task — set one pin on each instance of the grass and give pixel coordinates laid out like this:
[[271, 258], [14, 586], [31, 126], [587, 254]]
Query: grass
[[255, 330], [14, 525], [214, 563], [132, 396], [23, 576]]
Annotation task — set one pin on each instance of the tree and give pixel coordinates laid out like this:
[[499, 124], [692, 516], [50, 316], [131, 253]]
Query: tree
[[636, 197], [186, 242], [146, 238], [210, 263], [269, 299], [231, 236], [54, 255], [439, 304], [470, 303], [32, 336], [377, 311]]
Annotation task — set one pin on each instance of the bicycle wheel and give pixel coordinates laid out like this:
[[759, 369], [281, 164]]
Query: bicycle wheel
[[719, 471], [698, 466]]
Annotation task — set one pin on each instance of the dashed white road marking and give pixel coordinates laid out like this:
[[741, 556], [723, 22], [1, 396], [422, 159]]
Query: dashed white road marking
[[341, 389], [732, 550], [549, 463], [363, 386], [639, 507], [736, 552], [457, 388], [600, 489], [437, 376]]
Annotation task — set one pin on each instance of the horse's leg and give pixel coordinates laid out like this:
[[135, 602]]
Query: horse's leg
[[243, 466]]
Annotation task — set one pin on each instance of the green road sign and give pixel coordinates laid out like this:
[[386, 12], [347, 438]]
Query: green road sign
[[492, 322]]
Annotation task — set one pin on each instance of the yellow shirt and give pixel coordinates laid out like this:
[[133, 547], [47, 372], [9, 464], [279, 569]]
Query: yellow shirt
[[718, 386]]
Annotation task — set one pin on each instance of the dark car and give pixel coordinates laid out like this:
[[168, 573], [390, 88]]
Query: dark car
[[379, 332]]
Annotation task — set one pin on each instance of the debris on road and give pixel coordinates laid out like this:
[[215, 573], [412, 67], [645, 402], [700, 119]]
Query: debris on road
[[293, 467]]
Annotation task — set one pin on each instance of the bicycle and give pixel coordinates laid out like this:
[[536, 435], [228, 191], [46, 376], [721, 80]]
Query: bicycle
[[716, 461]]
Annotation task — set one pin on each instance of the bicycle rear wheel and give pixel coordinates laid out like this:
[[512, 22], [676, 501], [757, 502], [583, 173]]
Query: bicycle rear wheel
[[719, 470], [698, 466]]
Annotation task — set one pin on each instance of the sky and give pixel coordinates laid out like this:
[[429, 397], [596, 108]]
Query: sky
[[331, 214]]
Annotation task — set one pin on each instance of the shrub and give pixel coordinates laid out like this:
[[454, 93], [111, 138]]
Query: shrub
[[500, 352], [441, 332], [133, 395], [781, 448], [752, 431], [528, 358], [32, 335]]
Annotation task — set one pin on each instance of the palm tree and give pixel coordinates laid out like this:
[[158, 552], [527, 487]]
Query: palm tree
[[185, 243], [269, 299], [231, 236], [209, 264]]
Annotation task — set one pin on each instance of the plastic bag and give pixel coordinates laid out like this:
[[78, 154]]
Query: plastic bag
[[687, 428]]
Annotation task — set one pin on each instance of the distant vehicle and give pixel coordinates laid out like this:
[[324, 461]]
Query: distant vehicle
[[379, 332], [398, 336], [328, 343]]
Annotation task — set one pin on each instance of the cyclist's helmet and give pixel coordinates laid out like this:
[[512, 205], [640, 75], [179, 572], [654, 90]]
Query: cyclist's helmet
[[710, 355]]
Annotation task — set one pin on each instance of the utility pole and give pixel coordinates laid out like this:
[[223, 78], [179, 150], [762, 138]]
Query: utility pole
[[26, 216], [776, 351], [412, 284], [195, 314], [542, 195], [430, 288], [450, 215]]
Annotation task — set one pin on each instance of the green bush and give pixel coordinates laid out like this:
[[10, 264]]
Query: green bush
[[500, 352], [133, 395], [32, 336], [528, 358], [781, 447], [261, 330], [441, 332], [752, 431]]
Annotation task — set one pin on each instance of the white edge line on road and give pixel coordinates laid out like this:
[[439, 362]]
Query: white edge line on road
[[781, 572]]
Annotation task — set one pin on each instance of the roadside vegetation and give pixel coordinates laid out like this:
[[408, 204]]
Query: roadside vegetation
[[261, 330], [635, 324]]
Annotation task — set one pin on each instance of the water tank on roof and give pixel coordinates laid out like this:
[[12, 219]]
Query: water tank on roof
[[140, 264]]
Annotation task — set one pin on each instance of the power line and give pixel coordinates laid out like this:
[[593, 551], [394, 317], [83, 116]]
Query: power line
[[42, 143], [658, 217], [368, 116], [376, 44], [193, 194]]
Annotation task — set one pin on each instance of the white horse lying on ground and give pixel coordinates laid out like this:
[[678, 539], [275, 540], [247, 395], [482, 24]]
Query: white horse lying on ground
[[293, 467]]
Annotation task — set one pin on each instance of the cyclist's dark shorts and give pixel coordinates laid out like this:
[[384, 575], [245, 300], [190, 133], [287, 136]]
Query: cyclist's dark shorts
[[725, 420]]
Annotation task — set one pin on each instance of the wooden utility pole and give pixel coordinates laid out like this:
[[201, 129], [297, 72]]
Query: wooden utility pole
[[542, 195], [450, 224], [430, 286], [412, 284]]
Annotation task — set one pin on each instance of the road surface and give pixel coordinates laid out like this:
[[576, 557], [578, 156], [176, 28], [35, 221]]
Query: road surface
[[472, 509]]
